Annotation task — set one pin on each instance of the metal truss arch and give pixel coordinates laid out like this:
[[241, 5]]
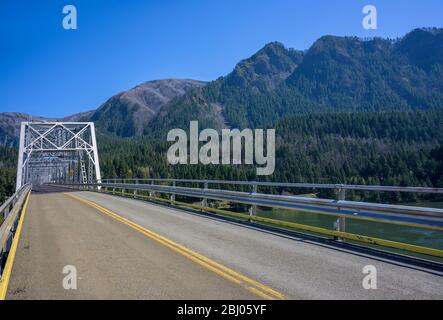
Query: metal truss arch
[[57, 151]]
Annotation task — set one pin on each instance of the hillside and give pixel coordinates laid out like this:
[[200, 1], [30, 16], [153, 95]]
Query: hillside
[[124, 114], [379, 148], [335, 74], [346, 110], [235, 99], [10, 126]]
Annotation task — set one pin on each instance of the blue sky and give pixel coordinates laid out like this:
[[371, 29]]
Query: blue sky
[[46, 70]]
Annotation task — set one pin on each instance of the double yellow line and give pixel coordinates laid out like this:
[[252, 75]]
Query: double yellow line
[[255, 287]]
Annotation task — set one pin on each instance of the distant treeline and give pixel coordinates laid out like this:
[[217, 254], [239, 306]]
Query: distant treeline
[[8, 163], [380, 148]]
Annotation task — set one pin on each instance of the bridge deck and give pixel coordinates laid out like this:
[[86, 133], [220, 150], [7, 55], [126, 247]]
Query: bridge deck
[[141, 257]]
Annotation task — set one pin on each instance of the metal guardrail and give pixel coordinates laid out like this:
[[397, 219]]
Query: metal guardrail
[[406, 215], [11, 211], [427, 218], [288, 185]]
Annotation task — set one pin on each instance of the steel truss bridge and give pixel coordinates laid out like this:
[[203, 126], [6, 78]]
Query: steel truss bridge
[[57, 151], [183, 239]]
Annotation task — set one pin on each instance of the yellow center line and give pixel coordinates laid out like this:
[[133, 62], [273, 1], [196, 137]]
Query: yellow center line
[[253, 286], [4, 281]]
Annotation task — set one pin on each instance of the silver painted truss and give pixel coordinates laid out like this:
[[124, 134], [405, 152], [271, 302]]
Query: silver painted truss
[[57, 152]]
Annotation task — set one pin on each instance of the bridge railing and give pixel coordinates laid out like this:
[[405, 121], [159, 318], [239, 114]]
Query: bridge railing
[[343, 210], [10, 211], [337, 187]]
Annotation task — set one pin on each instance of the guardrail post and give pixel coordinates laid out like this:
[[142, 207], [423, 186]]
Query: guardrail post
[[6, 213], [340, 224], [204, 202], [135, 190], [151, 193], [173, 194], [253, 208]]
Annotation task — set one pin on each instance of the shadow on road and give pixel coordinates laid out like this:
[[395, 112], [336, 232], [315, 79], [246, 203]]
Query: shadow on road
[[42, 189]]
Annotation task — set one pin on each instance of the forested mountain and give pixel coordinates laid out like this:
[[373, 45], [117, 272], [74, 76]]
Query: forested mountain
[[387, 148], [346, 110], [127, 113], [335, 74], [246, 93], [124, 114]]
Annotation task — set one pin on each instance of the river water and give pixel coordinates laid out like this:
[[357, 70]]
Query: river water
[[405, 234]]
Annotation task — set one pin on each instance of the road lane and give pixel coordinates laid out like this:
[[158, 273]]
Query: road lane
[[295, 267], [113, 261]]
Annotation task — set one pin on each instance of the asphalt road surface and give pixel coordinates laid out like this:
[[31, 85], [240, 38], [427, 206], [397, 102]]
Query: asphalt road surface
[[129, 249]]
